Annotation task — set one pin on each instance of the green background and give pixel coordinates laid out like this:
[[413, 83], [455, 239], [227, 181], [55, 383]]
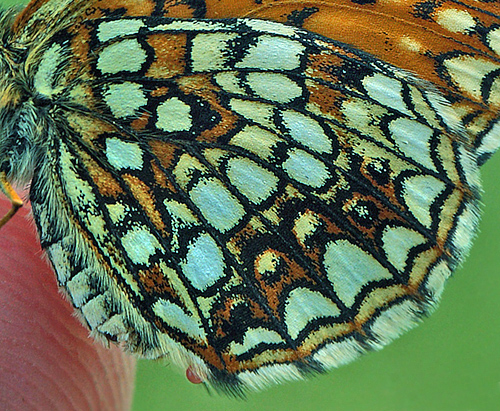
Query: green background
[[450, 362]]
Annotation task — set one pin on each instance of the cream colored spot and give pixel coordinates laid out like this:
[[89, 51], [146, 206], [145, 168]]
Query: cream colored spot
[[493, 39], [470, 168], [456, 21], [186, 168], [191, 25], [253, 337], [126, 55], [179, 287], [81, 195], [465, 230], [272, 53], [180, 212], [303, 306], [95, 311], [115, 326], [437, 279], [121, 154], [386, 91], [215, 156], [306, 131], [261, 113], [494, 97], [180, 217], [108, 30], [220, 208], [229, 82], [445, 110], [305, 168], [210, 50], [305, 225], [174, 115], [349, 268], [78, 287], [204, 264], [256, 140], [117, 212], [413, 139], [468, 72], [60, 260], [491, 141], [271, 27], [419, 193], [364, 115], [411, 44], [266, 262], [140, 245], [274, 87], [174, 316], [253, 181], [44, 78], [395, 320], [125, 99], [422, 107], [398, 242]]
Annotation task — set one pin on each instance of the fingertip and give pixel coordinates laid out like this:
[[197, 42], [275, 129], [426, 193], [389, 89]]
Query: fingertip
[[47, 360]]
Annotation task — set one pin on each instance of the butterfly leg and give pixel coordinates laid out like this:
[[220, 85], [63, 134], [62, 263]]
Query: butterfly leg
[[12, 196]]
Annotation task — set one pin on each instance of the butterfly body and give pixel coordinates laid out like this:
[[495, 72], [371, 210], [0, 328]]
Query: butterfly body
[[250, 199]]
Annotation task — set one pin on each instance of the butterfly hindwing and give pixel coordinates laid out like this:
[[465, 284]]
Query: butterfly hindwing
[[208, 187]]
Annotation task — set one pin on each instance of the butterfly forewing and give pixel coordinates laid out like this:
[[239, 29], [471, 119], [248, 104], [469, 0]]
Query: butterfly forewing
[[455, 45], [251, 199]]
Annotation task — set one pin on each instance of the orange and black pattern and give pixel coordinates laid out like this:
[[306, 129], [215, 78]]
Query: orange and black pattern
[[256, 190]]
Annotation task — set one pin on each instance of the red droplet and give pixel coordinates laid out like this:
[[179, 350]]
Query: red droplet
[[193, 377]]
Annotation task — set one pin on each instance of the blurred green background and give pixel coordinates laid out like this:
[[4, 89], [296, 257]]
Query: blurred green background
[[450, 362]]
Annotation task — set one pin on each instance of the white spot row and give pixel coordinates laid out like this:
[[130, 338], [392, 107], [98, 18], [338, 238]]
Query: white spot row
[[253, 337], [127, 99], [349, 268], [126, 55], [414, 140], [386, 91], [47, 70], [211, 52], [176, 317], [204, 262], [253, 181], [456, 21], [217, 204], [140, 244], [269, 86], [123, 155], [493, 38], [468, 72], [108, 30], [303, 306], [419, 193]]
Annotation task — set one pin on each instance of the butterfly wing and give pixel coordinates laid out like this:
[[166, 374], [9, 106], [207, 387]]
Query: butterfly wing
[[252, 200], [452, 44]]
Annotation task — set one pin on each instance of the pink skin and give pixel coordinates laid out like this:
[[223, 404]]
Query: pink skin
[[47, 360]]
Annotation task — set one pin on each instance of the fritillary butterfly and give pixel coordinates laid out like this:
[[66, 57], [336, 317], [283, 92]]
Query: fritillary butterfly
[[256, 190]]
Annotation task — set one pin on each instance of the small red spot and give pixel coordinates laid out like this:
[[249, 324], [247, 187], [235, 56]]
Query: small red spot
[[193, 377]]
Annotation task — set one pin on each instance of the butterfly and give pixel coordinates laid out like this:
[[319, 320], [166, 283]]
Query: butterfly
[[256, 191]]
